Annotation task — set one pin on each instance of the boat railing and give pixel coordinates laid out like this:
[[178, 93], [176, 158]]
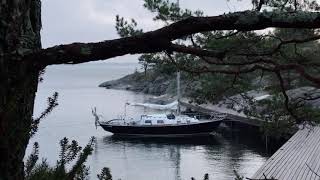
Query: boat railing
[[194, 115], [115, 122], [120, 121], [213, 116], [217, 116]]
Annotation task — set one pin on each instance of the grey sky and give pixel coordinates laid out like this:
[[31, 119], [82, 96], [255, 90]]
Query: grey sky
[[66, 21]]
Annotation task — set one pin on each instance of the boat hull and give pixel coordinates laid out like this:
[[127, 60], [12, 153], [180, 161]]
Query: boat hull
[[196, 129]]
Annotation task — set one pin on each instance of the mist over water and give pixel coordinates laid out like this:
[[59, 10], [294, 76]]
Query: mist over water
[[129, 158]]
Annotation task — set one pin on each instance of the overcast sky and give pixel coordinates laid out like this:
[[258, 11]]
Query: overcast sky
[[66, 21]]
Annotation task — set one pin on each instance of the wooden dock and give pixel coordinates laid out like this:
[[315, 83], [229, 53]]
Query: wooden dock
[[233, 117], [297, 159]]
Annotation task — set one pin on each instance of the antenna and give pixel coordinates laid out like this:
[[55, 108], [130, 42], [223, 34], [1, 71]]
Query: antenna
[[125, 110]]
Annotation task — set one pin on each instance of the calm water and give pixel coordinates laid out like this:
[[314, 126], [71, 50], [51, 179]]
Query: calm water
[[130, 158]]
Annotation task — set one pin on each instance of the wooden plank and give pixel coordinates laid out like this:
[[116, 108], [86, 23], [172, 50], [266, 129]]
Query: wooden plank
[[277, 157], [317, 160], [317, 166], [303, 164], [310, 145], [300, 166], [311, 161], [293, 166], [293, 163], [283, 158], [290, 161], [312, 164], [317, 169]]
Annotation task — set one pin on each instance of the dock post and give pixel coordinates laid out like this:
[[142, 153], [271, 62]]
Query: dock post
[[266, 137]]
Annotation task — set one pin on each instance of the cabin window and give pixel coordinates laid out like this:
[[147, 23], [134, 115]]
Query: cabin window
[[147, 121], [160, 121], [171, 116]]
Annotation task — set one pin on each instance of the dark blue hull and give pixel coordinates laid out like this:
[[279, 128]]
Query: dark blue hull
[[201, 128]]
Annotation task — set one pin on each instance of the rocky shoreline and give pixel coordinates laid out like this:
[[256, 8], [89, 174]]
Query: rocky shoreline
[[140, 82]]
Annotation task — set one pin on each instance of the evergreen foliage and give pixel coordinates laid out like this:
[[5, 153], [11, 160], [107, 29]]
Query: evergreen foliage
[[71, 163], [105, 174], [214, 79], [277, 57], [52, 103]]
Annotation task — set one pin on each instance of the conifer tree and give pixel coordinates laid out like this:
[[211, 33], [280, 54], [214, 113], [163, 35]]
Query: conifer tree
[[22, 59]]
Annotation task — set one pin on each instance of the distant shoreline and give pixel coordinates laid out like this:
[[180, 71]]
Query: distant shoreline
[[139, 82]]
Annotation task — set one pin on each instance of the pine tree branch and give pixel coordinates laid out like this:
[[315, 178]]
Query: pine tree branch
[[286, 98], [160, 40], [196, 51], [248, 67], [259, 6], [281, 44]]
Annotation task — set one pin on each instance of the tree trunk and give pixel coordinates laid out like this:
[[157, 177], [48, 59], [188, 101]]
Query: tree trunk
[[19, 31]]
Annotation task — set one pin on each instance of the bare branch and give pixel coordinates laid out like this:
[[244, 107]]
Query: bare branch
[[301, 70], [286, 97]]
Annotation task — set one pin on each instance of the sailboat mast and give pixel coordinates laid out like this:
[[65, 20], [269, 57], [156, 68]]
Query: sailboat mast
[[178, 81], [178, 92]]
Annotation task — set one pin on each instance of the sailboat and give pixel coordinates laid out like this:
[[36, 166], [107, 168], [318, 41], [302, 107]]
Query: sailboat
[[171, 124]]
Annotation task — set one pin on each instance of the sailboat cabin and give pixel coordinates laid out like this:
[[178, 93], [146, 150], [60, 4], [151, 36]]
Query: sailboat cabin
[[166, 119]]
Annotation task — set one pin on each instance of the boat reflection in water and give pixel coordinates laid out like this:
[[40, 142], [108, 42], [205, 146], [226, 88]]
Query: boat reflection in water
[[142, 158]]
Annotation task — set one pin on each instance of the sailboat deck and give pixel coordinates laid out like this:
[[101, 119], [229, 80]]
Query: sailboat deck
[[158, 125]]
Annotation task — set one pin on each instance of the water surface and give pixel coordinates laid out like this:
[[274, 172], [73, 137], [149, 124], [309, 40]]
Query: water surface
[[130, 158]]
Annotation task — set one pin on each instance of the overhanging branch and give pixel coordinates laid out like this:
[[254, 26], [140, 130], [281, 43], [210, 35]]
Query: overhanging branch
[[160, 40]]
